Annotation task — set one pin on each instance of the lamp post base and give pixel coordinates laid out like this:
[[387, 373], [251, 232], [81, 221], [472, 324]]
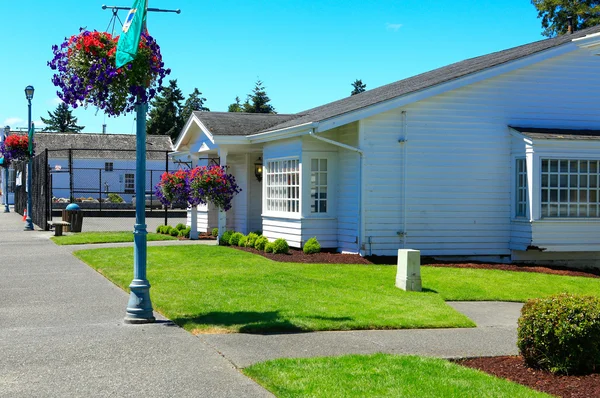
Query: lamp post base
[[28, 225], [139, 308]]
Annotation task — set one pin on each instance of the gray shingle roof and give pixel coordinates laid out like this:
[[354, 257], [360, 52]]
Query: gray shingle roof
[[99, 146], [557, 134], [239, 123], [429, 79]]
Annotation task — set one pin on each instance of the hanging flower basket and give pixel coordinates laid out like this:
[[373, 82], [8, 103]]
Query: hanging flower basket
[[14, 148], [212, 185], [173, 188], [199, 185], [86, 73]]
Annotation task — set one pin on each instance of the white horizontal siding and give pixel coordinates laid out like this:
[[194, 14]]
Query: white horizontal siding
[[566, 235], [459, 164], [325, 230], [348, 190], [288, 229]]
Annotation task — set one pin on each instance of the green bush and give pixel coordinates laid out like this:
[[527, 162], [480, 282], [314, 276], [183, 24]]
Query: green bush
[[235, 238], [280, 246], [225, 238], [180, 227], [561, 333], [269, 247], [159, 229], [180, 234], [251, 239], [243, 241], [260, 243], [168, 230], [312, 246], [174, 232], [114, 198], [215, 232], [187, 231]]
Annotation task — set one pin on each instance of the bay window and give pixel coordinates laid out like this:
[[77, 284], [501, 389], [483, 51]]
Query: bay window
[[282, 185]]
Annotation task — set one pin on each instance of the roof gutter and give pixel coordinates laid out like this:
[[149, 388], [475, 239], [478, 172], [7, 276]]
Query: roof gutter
[[287, 132]]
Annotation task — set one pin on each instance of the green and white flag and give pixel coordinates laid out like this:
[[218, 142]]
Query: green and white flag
[[132, 31], [30, 138]]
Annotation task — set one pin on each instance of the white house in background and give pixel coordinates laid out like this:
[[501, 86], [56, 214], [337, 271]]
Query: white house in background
[[102, 163], [494, 158]]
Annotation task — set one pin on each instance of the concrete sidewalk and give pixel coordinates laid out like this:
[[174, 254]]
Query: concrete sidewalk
[[62, 334]]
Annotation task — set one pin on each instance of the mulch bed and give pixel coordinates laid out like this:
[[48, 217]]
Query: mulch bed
[[513, 368], [298, 256]]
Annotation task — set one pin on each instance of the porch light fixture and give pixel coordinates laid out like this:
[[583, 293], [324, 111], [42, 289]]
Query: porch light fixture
[[258, 169]]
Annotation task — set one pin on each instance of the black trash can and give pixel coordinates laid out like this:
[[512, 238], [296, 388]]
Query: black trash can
[[73, 215]]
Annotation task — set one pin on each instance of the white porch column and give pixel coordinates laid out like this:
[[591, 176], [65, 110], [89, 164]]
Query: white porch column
[[222, 214], [194, 210]]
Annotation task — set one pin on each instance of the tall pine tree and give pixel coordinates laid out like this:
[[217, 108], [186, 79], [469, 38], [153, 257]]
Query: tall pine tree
[[164, 115], [256, 102], [358, 87], [62, 120], [555, 15], [195, 102], [236, 106]]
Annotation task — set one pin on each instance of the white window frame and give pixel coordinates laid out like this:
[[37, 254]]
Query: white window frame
[[125, 184], [521, 187], [566, 191], [317, 186], [282, 187]]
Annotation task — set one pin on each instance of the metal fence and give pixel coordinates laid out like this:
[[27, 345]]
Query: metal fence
[[40, 190], [102, 183]]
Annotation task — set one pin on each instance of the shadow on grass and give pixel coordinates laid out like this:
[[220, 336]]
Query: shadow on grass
[[252, 321]]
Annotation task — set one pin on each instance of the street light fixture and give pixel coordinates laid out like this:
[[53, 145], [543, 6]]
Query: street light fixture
[[29, 90], [6, 206]]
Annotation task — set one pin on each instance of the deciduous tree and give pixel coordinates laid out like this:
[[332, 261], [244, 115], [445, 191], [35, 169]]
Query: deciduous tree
[[555, 15]]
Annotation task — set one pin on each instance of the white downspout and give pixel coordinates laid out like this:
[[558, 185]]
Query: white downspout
[[360, 172]]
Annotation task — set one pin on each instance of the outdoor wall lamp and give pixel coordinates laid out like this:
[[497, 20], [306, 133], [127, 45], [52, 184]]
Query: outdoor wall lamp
[[258, 169]]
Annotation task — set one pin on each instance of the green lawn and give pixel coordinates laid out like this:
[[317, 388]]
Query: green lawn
[[219, 289], [104, 237], [380, 375]]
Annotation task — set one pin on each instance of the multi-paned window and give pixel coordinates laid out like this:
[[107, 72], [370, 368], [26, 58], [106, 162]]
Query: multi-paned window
[[282, 184], [108, 166], [318, 186], [521, 179], [129, 183], [569, 188]]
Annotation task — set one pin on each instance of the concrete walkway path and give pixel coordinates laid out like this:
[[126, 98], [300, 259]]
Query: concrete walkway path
[[62, 334]]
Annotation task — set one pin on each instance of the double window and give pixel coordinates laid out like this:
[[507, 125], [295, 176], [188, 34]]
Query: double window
[[282, 184], [570, 188]]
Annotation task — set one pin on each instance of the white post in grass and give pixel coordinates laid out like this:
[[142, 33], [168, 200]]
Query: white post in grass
[[408, 275]]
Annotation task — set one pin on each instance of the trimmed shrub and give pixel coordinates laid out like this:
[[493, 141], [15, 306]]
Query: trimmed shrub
[[243, 241], [235, 238], [260, 243], [561, 333], [251, 239], [225, 238], [215, 232], [281, 246], [180, 234], [312, 246], [114, 198], [186, 232], [180, 227], [174, 232], [269, 247], [168, 230], [159, 229]]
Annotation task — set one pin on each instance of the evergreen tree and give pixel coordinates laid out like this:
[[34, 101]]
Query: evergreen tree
[[62, 120], [358, 87], [258, 100], [195, 102], [164, 115], [555, 15], [236, 106]]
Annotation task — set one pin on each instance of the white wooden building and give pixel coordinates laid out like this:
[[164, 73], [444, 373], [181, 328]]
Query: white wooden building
[[493, 158]]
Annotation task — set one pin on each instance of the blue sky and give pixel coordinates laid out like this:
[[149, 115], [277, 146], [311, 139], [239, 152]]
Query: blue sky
[[306, 53]]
